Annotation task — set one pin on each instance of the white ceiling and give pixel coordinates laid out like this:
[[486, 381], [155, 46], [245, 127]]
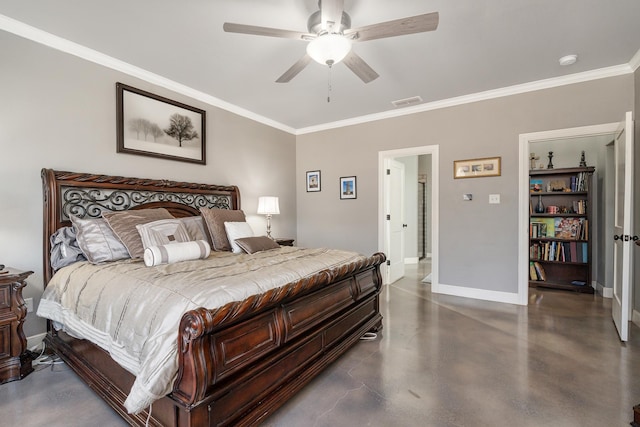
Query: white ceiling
[[479, 46]]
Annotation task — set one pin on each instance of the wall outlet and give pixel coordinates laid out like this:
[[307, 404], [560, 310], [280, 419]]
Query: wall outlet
[[494, 199], [29, 303]]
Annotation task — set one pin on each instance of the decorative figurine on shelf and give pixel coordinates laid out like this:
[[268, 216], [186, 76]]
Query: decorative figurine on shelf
[[550, 165], [583, 162], [532, 160], [539, 207]]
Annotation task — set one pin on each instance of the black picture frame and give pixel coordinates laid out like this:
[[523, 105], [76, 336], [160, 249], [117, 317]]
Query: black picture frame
[[314, 183], [155, 126], [348, 187]]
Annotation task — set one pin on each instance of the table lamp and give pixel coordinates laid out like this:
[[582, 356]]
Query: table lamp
[[268, 205]]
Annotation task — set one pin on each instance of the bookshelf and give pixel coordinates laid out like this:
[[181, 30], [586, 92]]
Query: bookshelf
[[560, 228]]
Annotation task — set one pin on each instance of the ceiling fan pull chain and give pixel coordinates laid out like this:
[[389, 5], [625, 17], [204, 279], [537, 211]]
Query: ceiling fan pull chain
[[329, 85]]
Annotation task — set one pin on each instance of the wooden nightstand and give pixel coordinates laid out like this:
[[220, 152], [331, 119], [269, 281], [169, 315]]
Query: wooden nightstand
[[284, 241], [15, 362]]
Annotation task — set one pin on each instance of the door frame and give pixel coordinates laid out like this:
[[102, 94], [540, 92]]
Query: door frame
[[524, 196], [433, 150]]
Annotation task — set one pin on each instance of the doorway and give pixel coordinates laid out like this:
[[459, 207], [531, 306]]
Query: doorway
[[387, 241], [562, 141]]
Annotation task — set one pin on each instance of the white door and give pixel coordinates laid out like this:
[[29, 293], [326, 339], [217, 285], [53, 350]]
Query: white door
[[622, 266], [394, 211]]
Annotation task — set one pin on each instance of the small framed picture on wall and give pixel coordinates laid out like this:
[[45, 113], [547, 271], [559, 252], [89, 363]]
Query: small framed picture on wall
[[348, 187], [313, 181]]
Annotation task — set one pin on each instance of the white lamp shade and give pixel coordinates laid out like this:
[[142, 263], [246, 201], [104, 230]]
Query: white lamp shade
[[268, 205], [329, 47]]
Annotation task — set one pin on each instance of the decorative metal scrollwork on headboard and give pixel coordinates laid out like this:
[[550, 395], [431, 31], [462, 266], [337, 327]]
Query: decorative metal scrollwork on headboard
[[91, 202]]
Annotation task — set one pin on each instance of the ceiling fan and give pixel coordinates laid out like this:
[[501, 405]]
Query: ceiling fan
[[330, 37]]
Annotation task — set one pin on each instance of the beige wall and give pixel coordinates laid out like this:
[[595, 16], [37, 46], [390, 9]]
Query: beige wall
[[58, 111], [478, 242]]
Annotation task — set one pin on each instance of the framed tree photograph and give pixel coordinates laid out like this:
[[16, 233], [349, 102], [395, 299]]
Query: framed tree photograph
[[151, 125], [348, 187], [313, 181]]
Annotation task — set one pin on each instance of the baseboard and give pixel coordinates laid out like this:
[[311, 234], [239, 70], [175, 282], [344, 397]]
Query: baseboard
[[35, 340], [602, 290], [635, 317], [412, 260], [481, 294]]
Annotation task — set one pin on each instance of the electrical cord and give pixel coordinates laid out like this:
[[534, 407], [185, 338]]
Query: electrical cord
[[44, 359], [369, 336]]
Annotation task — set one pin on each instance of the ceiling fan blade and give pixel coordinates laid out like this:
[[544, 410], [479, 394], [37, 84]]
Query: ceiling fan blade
[[359, 67], [294, 70], [398, 27], [265, 31], [331, 11]]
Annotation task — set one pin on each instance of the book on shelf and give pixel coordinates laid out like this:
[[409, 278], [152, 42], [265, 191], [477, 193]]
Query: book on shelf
[[542, 276], [569, 228], [559, 251]]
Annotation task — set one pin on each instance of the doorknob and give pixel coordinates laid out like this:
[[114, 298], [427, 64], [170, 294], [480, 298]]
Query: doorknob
[[625, 237], [404, 225]]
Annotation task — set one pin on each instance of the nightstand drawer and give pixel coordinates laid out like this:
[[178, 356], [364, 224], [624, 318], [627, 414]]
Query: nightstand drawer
[[5, 297], [5, 341]]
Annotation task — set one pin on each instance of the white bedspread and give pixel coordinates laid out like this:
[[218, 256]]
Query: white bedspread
[[133, 311]]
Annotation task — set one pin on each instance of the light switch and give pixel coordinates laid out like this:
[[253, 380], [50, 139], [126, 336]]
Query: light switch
[[494, 199]]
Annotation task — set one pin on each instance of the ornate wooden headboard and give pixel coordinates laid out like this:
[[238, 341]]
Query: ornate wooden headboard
[[88, 195]]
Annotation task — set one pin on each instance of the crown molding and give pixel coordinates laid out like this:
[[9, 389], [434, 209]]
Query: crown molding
[[634, 63], [39, 36], [617, 70]]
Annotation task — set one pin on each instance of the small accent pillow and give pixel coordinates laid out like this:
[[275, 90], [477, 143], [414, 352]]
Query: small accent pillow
[[256, 244], [163, 232], [64, 248], [237, 230], [215, 219], [124, 225], [97, 240], [195, 227], [175, 252]]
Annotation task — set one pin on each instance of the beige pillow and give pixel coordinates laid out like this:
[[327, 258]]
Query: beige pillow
[[215, 219], [196, 228], [124, 224], [97, 241], [163, 232], [256, 244]]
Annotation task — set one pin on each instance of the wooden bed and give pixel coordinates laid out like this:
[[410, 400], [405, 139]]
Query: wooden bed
[[238, 363]]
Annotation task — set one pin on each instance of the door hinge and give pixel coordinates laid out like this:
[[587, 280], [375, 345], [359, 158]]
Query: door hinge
[[388, 171], [388, 262], [388, 217]]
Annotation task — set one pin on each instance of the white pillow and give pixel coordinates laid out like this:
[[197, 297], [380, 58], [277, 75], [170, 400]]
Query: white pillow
[[176, 252], [237, 230], [163, 232]]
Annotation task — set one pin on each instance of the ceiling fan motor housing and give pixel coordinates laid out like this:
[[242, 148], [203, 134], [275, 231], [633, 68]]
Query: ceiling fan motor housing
[[314, 24]]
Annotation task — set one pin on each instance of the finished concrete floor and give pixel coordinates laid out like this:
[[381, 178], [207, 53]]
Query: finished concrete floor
[[439, 361]]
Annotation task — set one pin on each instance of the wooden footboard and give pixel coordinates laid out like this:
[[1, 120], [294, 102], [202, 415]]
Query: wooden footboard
[[239, 363]]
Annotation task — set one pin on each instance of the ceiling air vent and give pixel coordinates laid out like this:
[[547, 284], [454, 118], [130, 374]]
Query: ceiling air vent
[[407, 101]]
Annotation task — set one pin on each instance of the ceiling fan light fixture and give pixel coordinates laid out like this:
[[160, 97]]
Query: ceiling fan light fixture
[[329, 49]]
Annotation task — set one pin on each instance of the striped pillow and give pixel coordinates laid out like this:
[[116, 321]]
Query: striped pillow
[[175, 252]]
